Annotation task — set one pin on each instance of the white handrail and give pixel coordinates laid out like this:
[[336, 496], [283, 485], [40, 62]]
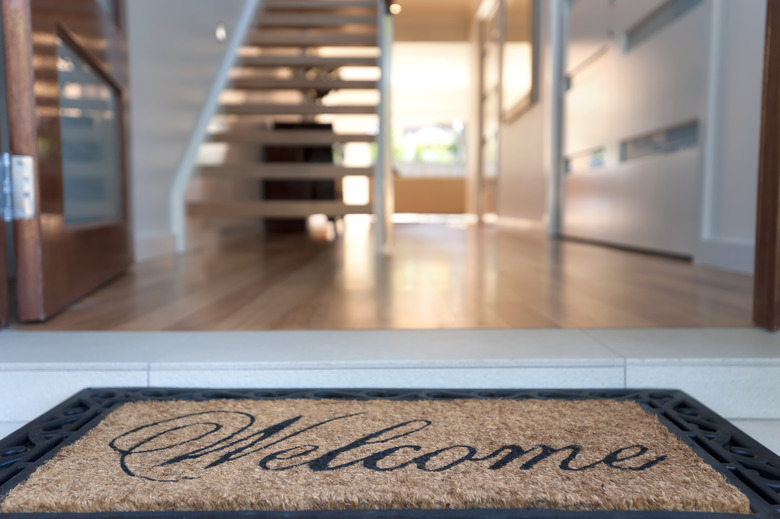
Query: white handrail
[[188, 163], [384, 191]]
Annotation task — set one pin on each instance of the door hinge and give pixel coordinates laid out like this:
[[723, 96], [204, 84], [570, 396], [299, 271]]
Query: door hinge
[[17, 183]]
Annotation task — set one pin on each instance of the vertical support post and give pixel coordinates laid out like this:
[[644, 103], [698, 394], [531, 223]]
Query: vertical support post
[[479, 191], [766, 288], [559, 23], [384, 189]]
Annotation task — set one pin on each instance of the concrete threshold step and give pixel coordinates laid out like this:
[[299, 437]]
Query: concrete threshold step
[[288, 137], [283, 171], [735, 371], [300, 84], [274, 208], [284, 109], [307, 61]]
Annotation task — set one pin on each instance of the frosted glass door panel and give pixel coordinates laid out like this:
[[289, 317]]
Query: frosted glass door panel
[[89, 126]]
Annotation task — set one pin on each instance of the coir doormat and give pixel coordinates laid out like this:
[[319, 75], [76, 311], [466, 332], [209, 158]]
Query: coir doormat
[[362, 453]]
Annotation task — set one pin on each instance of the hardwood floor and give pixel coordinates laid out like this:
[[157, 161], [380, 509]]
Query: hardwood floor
[[438, 277]]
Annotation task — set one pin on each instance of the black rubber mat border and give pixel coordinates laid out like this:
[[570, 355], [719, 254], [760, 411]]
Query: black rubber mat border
[[747, 464]]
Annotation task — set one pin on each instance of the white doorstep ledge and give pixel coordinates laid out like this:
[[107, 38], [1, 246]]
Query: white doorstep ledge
[[734, 371]]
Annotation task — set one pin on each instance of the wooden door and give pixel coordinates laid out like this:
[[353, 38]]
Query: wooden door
[[67, 104], [5, 298], [5, 313]]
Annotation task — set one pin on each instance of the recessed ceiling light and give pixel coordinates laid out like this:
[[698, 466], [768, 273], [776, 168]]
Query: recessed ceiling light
[[395, 8]]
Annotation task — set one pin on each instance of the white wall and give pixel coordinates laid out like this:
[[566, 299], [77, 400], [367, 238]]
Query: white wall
[[430, 81], [655, 85], [522, 176], [705, 66], [174, 58], [731, 166], [651, 202]]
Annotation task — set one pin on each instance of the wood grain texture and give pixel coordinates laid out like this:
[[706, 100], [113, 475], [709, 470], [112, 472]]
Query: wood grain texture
[[5, 301], [22, 122], [766, 292], [439, 277]]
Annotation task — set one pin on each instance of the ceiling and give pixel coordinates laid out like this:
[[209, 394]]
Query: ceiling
[[435, 20], [429, 9]]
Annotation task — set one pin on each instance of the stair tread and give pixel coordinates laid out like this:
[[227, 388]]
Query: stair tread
[[292, 137], [278, 109], [274, 208], [283, 171], [295, 84], [271, 19], [318, 5], [307, 61], [267, 39]]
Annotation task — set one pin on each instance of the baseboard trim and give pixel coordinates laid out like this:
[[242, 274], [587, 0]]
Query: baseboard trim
[[153, 245], [732, 255]]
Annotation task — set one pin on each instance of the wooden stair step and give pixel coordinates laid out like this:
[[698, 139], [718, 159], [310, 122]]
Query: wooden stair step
[[268, 39], [274, 208], [312, 20], [306, 61], [307, 5], [285, 109], [284, 171], [300, 83], [290, 137]]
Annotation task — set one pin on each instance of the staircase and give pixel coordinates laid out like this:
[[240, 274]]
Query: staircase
[[305, 65]]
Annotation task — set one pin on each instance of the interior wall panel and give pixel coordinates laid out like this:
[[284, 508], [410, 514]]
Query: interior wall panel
[[650, 203]]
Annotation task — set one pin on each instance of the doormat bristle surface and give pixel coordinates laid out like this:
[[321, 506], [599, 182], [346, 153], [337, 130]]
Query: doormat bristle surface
[[331, 454]]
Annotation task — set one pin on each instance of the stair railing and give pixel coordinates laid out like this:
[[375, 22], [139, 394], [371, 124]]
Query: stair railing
[[384, 191]]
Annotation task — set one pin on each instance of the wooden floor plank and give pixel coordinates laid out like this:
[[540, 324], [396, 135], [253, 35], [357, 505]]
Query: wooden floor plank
[[438, 277]]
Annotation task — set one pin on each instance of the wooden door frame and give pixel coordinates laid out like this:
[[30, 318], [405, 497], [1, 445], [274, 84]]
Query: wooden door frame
[[5, 298], [22, 126], [766, 279]]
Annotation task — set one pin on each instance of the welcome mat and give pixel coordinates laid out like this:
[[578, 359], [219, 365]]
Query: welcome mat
[[174, 452]]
